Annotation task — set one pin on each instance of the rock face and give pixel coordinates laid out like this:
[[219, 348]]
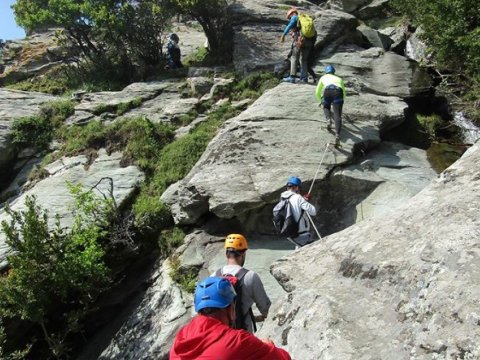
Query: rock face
[[52, 192], [267, 142], [14, 105], [259, 25], [412, 278], [383, 180], [32, 56]]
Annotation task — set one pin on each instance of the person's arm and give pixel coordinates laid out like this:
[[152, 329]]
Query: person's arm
[[343, 88], [319, 91], [254, 348], [260, 295], [291, 25], [305, 205]]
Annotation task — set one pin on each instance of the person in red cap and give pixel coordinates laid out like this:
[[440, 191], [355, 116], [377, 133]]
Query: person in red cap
[[209, 335]]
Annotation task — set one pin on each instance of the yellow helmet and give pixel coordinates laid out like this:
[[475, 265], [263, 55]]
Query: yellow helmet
[[236, 241]]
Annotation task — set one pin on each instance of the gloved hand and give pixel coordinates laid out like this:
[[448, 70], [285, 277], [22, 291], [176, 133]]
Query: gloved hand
[[282, 39], [307, 196]]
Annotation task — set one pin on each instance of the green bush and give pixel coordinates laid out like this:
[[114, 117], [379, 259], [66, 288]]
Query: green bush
[[175, 161], [185, 277], [169, 240], [254, 85], [35, 131], [38, 131], [431, 124], [77, 139], [52, 269], [451, 30]]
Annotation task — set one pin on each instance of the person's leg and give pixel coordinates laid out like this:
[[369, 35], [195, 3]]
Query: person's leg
[[337, 116], [303, 239], [294, 61], [304, 51], [326, 104]]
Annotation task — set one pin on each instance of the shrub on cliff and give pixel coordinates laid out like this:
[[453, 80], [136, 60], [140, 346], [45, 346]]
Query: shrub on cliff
[[116, 36], [451, 30], [55, 274]]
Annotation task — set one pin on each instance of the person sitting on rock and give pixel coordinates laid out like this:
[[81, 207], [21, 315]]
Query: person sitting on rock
[[331, 91], [300, 206], [301, 48], [209, 334], [173, 53], [252, 288]]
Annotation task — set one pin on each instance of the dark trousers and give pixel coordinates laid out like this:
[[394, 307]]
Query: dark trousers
[[333, 97]]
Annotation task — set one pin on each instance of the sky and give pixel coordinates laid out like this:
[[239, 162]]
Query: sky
[[8, 28]]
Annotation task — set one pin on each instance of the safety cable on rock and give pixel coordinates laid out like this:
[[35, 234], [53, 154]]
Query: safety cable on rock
[[318, 169], [311, 187]]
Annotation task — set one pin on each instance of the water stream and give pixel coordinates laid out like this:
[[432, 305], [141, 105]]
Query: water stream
[[470, 132]]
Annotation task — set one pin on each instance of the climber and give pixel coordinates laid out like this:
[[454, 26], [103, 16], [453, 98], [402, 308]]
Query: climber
[[310, 59], [251, 286], [331, 91], [209, 334], [299, 205], [173, 53], [302, 42]]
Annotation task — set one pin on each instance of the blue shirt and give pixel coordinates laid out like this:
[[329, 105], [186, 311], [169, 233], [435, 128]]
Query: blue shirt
[[293, 23]]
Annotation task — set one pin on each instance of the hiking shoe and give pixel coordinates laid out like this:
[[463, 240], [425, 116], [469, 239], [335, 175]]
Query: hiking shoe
[[337, 141], [329, 126], [289, 79], [304, 81]]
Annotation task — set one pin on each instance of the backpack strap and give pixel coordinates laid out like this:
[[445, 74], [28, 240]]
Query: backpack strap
[[241, 273], [301, 210]]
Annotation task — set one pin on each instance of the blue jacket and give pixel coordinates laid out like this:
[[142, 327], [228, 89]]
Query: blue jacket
[[292, 24]]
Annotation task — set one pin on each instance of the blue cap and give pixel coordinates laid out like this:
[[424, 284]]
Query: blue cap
[[329, 69], [294, 181], [214, 292]]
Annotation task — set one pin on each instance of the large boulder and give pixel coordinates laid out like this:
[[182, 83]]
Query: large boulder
[[402, 285], [16, 104], [258, 27], [246, 164], [52, 193], [383, 179], [35, 55], [159, 101]]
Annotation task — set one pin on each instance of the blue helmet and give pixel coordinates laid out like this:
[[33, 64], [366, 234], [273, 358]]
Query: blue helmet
[[329, 69], [214, 292], [294, 181]]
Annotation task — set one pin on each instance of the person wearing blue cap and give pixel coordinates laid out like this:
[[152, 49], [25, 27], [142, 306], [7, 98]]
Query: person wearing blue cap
[[330, 92], [210, 335], [299, 205]]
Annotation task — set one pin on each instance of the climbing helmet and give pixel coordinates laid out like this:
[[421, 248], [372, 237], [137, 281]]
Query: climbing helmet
[[294, 181], [236, 242], [214, 292]]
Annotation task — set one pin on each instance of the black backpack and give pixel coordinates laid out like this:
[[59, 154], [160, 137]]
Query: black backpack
[[283, 219], [237, 282]]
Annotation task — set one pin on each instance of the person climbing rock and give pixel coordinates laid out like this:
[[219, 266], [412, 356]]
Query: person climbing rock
[[299, 205], [310, 60], [173, 53], [303, 31], [209, 334], [330, 93], [251, 286]]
